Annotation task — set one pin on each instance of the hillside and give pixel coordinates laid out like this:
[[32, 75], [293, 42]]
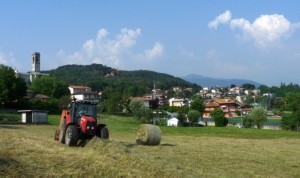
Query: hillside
[[99, 76], [211, 82]]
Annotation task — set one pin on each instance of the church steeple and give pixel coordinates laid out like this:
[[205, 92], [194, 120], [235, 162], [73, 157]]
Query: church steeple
[[36, 62]]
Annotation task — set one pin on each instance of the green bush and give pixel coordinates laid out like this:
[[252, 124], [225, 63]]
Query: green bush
[[219, 117], [248, 121]]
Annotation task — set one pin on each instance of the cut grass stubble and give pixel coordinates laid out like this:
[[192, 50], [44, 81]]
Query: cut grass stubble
[[29, 150]]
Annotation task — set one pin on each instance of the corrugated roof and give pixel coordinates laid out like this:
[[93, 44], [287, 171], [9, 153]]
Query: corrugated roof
[[79, 87]]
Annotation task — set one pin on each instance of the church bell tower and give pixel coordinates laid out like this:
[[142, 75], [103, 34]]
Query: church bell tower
[[36, 62]]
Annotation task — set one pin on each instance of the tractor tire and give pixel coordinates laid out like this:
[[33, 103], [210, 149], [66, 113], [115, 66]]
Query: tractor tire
[[104, 133], [62, 132], [72, 135]]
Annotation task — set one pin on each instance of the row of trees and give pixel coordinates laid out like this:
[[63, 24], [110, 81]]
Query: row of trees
[[291, 112], [12, 87], [13, 91]]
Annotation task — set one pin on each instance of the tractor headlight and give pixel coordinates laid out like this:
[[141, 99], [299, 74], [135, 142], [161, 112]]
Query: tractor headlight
[[92, 127], [88, 127]]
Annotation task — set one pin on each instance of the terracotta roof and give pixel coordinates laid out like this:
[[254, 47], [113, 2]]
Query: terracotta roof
[[140, 99], [224, 101], [212, 105]]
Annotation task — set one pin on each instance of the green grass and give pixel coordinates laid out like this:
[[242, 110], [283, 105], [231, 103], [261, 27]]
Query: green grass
[[30, 151], [9, 118], [53, 119]]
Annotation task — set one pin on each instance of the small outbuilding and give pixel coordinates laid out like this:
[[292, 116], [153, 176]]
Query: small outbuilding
[[34, 116], [173, 122]]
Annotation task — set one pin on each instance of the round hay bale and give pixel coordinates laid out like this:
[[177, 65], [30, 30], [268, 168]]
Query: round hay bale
[[148, 134]]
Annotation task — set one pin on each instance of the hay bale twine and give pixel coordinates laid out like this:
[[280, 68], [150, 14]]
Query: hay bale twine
[[148, 134]]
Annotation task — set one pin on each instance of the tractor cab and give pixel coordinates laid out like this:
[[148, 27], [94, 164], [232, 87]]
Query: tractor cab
[[81, 108]]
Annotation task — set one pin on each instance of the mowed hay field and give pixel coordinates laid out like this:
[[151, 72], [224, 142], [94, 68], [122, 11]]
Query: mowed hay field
[[30, 151]]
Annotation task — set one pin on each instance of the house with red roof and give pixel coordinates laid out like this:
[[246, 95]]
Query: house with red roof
[[229, 107]]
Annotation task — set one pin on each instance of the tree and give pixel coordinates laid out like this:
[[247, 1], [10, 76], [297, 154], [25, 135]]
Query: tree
[[259, 116], [12, 87], [181, 117], [219, 117], [50, 86], [198, 104], [248, 121], [136, 108], [291, 118], [248, 86], [193, 116]]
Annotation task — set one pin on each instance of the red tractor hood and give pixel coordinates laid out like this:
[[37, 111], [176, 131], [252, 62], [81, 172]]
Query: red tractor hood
[[88, 124]]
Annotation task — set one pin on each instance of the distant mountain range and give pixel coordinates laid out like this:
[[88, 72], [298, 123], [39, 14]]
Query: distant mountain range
[[211, 82]]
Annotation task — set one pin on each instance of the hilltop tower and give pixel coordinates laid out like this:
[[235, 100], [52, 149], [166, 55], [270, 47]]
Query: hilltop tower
[[36, 62]]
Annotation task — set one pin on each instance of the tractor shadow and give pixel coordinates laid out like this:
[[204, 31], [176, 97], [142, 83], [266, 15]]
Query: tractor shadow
[[135, 145]]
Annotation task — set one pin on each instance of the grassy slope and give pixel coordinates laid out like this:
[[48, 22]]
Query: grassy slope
[[184, 152]]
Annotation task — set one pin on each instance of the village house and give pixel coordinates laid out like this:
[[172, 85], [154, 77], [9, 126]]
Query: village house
[[228, 106], [178, 102], [83, 93], [160, 95]]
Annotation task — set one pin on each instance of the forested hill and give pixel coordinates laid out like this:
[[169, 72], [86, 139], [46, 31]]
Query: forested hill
[[99, 76]]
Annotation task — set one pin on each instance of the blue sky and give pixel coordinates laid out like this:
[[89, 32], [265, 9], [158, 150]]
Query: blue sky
[[256, 40]]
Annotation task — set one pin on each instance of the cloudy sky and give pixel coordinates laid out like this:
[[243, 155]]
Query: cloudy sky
[[256, 40]]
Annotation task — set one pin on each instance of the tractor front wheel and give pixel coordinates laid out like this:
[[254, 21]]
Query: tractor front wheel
[[72, 135], [102, 132]]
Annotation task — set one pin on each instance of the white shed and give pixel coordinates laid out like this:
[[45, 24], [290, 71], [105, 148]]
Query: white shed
[[34, 116], [173, 122]]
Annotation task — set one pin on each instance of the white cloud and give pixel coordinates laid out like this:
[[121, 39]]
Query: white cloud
[[221, 19], [110, 51], [9, 60], [156, 51], [265, 31]]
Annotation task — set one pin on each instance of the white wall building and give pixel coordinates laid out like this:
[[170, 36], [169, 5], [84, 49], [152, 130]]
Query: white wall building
[[83, 93]]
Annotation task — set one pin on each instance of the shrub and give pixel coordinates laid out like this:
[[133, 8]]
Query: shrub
[[219, 117], [248, 121], [193, 116]]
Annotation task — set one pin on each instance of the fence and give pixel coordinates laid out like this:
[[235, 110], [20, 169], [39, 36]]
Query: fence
[[237, 122]]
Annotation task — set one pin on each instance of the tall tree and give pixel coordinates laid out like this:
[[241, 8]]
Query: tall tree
[[198, 104], [291, 119], [136, 108], [193, 116], [259, 116], [12, 87]]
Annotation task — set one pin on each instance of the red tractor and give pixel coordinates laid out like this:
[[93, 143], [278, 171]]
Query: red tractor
[[79, 122]]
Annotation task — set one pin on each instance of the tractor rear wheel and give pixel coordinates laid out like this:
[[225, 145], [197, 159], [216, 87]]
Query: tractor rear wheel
[[72, 135], [62, 132]]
